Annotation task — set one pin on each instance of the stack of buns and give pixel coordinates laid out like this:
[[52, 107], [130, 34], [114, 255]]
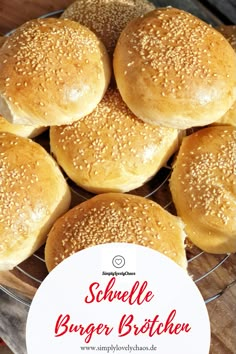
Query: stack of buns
[[110, 138]]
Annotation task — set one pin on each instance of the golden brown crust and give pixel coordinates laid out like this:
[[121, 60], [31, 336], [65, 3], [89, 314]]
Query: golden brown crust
[[116, 217], [169, 71], [33, 195], [203, 187], [111, 150], [26, 131], [107, 18], [52, 71]]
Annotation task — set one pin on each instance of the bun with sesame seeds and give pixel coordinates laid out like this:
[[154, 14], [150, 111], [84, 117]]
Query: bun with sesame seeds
[[107, 18], [26, 131], [52, 72], [111, 150], [203, 187], [170, 72], [33, 195], [116, 217], [229, 32]]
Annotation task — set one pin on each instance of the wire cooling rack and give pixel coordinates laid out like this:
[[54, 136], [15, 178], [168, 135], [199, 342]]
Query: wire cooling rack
[[156, 189]]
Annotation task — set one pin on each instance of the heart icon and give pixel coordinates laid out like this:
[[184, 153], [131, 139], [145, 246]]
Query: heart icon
[[118, 261]]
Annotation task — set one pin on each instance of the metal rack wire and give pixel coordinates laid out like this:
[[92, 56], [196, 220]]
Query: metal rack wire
[[18, 297]]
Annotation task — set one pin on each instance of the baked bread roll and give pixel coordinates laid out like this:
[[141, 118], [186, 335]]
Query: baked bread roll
[[111, 150], [33, 195], [172, 69], [107, 18], [26, 131], [229, 32], [203, 187], [116, 217], [52, 72]]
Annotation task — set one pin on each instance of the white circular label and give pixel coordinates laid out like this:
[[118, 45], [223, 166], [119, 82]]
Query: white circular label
[[118, 298]]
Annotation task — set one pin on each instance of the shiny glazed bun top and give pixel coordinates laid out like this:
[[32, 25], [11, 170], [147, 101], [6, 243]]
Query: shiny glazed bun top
[[107, 18], [173, 69], [52, 72]]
